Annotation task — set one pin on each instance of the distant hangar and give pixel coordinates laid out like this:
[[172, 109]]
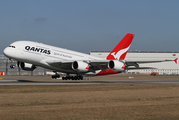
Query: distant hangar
[[161, 67]]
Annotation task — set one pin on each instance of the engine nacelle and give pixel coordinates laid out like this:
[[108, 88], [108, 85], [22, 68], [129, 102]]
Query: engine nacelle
[[116, 65], [26, 66], [80, 66]]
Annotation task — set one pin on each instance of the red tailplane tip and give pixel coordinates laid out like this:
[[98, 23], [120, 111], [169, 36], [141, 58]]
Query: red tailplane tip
[[176, 60]]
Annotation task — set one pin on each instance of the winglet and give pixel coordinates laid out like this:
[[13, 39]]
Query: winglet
[[176, 60]]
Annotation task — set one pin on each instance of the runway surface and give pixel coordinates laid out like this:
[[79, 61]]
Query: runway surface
[[27, 82], [46, 80]]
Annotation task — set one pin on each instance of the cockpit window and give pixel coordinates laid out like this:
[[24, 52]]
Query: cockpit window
[[12, 46]]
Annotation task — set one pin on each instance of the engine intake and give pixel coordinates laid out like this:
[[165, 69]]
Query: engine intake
[[26, 66], [116, 65], [80, 66]]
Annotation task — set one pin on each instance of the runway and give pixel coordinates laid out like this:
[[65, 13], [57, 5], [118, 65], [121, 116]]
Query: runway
[[83, 82], [117, 79]]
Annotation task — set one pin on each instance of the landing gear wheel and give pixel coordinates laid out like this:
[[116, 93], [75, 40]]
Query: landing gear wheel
[[55, 76], [80, 77]]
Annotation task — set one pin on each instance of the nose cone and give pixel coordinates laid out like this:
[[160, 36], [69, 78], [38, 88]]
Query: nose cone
[[7, 52]]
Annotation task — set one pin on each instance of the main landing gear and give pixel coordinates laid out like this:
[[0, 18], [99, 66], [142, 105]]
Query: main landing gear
[[78, 77], [55, 76], [68, 77]]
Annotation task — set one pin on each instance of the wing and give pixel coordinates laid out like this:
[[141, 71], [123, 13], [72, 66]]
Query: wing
[[83, 66], [98, 65], [68, 65], [59, 64]]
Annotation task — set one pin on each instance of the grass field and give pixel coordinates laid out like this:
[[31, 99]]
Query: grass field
[[90, 102]]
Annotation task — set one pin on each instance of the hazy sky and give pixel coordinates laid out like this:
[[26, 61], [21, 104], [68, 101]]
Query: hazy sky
[[91, 25]]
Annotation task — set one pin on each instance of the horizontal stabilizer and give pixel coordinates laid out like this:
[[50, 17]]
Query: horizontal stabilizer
[[147, 61]]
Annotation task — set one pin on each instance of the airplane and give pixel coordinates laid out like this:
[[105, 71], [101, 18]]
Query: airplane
[[31, 54]]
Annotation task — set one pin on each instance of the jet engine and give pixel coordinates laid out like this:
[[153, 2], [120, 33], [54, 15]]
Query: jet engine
[[80, 66], [26, 66], [116, 65]]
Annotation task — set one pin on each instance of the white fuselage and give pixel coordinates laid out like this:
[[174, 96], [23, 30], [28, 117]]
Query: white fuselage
[[38, 53]]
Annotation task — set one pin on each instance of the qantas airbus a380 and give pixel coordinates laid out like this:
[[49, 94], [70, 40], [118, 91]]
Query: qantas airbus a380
[[31, 54]]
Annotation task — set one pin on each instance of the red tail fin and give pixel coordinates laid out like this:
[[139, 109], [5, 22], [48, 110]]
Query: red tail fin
[[120, 51]]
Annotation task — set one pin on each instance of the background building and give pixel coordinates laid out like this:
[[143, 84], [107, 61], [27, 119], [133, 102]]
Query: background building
[[169, 67]]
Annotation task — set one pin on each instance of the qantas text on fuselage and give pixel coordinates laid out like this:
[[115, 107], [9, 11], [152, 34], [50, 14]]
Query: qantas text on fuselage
[[39, 50]]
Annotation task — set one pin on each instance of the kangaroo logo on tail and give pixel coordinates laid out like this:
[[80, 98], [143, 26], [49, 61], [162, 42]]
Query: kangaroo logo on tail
[[117, 55], [120, 51]]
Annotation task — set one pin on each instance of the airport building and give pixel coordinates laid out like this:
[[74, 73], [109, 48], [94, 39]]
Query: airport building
[[169, 67]]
